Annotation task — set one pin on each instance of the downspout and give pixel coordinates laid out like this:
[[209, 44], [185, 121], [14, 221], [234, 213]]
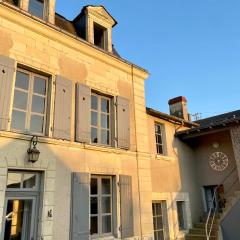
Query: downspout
[[137, 157]]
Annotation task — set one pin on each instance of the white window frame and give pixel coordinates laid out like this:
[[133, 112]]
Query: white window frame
[[99, 196], [99, 113], [161, 136], [28, 111]]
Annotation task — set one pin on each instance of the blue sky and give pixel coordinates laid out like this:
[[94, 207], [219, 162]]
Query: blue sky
[[190, 48]]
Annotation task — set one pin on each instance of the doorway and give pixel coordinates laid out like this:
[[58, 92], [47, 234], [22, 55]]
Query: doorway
[[21, 208], [209, 195]]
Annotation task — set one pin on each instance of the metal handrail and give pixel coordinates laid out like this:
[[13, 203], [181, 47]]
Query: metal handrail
[[208, 234]]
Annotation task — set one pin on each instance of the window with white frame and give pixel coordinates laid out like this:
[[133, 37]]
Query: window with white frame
[[159, 138], [181, 211], [160, 220], [37, 8], [100, 119], [101, 206], [30, 103]]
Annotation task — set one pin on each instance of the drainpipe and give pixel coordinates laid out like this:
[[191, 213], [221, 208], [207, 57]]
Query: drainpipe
[[137, 157]]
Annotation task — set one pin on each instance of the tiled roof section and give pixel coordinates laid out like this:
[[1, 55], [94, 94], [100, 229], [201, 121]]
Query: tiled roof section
[[215, 122], [219, 119], [65, 24], [170, 118]]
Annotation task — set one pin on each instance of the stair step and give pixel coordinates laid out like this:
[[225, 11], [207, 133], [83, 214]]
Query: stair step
[[202, 226], [199, 237], [215, 220], [201, 231]]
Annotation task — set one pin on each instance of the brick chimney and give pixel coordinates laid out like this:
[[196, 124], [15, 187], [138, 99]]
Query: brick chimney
[[178, 107]]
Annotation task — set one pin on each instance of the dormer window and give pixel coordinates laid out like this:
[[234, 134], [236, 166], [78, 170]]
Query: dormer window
[[36, 8], [99, 36]]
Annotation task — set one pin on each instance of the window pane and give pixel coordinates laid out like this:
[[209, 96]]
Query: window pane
[[18, 217], [14, 180], [94, 225], [94, 102], [94, 205], [94, 138], [106, 204], [106, 187], [37, 124], [106, 224], [105, 121], [29, 180], [38, 104], [20, 100], [94, 186], [39, 85], [159, 139], [158, 209], [159, 149], [105, 105], [36, 8], [105, 137], [18, 120], [94, 118], [159, 223], [22, 80]]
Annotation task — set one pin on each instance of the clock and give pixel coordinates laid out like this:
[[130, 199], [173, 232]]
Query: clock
[[218, 161]]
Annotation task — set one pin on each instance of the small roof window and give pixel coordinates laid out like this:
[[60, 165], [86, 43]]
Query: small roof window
[[36, 8], [100, 36]]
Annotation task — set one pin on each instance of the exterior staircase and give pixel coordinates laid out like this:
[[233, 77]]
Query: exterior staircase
[[198, 231]]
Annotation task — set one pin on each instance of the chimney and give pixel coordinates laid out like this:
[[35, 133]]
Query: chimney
[[178, 107]]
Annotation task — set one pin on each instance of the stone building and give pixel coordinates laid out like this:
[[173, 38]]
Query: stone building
[[80, 155]]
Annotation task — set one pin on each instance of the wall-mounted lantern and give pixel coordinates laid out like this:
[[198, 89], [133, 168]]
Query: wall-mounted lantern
[[33, 152]]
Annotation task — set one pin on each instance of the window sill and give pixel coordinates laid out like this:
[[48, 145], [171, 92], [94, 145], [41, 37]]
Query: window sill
[[163, 157]]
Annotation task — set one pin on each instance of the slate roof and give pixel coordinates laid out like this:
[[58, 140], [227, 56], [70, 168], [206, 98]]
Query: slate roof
[[215, 122]]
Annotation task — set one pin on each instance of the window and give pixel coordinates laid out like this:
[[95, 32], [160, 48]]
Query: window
[[101, 206], [36, 8], [181, 211], [30, 101], [100, 119], [160, 220], [22, 204], [159, 138], [99, 36], [15, 2]]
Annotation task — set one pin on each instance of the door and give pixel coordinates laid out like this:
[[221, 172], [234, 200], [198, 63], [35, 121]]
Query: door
[[209, 195], [21, 208]]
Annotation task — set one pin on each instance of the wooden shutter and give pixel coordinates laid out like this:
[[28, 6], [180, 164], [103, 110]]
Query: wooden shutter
[[7, 70], [63, 109], [80, 209], [126, 208], [123, 123], [83, 113]]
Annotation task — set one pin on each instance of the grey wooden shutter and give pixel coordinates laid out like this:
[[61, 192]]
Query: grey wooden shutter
[[123, 123], [63, 109], [126, 202], [80, 209], [7, 70], [83, 113]]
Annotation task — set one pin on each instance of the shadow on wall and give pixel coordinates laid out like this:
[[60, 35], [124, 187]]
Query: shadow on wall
[[230, 224]]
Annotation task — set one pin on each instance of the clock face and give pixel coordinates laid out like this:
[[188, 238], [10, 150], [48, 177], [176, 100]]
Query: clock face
[[218, 161]]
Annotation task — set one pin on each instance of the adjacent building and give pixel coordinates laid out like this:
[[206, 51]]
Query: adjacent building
[[81, 157]]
